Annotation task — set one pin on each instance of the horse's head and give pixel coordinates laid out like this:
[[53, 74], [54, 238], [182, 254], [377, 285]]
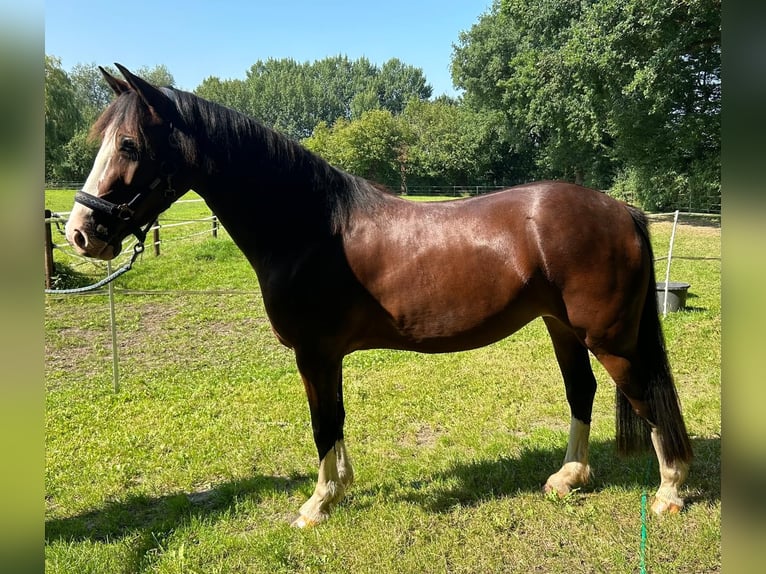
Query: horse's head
[[136, 173]]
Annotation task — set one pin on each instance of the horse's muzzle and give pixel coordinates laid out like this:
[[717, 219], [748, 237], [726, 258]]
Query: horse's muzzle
[[86, 242]]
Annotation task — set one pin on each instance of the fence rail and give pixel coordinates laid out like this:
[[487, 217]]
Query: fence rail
[[58, 219], [52, 218]]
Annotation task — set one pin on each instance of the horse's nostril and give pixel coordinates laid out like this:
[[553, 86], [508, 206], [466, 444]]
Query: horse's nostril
[[79, 239]]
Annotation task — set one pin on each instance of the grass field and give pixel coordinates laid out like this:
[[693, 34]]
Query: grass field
[[203, 457]]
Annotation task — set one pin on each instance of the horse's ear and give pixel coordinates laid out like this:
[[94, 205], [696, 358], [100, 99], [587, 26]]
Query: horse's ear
[[118, 86], [159, 103]]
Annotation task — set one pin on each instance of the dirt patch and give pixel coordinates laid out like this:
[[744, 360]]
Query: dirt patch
[[149, 332], [423, 436]]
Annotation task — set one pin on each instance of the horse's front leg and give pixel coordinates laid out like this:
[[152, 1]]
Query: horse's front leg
[[322, 380]]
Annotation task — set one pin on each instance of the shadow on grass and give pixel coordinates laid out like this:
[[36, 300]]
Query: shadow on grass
[[699, 220], [464, 484], [148, 516], [65, 277], [474, 482], [686, 308]]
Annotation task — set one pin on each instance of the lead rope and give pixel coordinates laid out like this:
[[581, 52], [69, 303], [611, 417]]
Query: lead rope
[[138, 248], [642, 557]]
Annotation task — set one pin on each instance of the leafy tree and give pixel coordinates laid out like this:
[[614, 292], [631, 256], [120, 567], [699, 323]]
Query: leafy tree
[[77, 157], [598, 91], [397, 83], [363, 102], [666, 96], [158, 75], [294, 97], [443, 148], [374, 146], [62, 116], [520, 54], [92, 93], [343, 87], [230, 93]]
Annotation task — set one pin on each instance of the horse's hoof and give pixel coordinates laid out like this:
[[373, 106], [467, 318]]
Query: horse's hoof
[[561, 491], [303, 522], [660, 507]]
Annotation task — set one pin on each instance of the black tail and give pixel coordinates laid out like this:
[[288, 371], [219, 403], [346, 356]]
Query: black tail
[[664, 406]]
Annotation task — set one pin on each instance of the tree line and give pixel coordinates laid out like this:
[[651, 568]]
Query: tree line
[[621, 95]]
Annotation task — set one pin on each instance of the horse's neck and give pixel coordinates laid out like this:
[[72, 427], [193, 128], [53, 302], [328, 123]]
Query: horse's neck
[[262, 215], [241, 174]]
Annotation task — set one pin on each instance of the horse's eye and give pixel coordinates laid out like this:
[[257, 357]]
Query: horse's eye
[[129, 148]]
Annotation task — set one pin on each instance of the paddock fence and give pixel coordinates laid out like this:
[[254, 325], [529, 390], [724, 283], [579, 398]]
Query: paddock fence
[[58, 220], [209, 226]]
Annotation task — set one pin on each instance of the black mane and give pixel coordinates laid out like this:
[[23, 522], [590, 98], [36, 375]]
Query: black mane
[[254, 152], [222, 141]]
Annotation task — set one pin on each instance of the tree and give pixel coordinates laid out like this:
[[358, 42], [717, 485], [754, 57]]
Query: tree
[[77, 157], [92, 93], [548, 108], [443, 148], [398, 83], [294, 97], [158, 75], [666, 96], [373, 146], [230, 93], [599, 91], [62, 116]]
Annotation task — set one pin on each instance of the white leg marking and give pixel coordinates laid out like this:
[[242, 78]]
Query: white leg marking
[[671, 477], [345, 471], [575, 470], [335, 476]]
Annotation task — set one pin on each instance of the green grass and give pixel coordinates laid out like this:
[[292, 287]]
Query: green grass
[[201, 460]]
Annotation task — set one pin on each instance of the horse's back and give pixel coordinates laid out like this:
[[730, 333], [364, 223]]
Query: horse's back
[[464, 273]]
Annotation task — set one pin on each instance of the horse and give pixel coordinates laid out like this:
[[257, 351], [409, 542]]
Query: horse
[[344, 265]]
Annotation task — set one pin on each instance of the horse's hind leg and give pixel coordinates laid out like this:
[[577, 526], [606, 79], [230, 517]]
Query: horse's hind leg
[[323, 384], [580, 386], [647, 402], [345, 471]]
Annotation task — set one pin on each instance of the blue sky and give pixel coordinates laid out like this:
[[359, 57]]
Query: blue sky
[[196, 39]]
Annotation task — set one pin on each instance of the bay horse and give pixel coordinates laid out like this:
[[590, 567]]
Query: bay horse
[[343, 266]]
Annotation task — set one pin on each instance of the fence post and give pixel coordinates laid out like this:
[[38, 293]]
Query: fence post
[[113, 324], [156, 236], [48, 251], [667, 270], [215, 226]]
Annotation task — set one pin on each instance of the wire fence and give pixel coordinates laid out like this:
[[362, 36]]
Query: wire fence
[[175, 230], [685, 202], [55, 242], [159, 233]]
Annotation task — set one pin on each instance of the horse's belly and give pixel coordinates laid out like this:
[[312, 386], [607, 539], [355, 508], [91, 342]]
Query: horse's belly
[[444, 333], [454, 320]]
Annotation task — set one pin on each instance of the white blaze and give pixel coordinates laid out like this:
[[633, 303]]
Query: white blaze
[[80, 213]]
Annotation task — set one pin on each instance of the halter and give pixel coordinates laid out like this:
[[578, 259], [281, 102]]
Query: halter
[[125, 212]]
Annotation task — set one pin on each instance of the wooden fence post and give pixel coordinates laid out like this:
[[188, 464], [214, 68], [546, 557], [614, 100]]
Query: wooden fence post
[[48, 251], [215, 226]]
